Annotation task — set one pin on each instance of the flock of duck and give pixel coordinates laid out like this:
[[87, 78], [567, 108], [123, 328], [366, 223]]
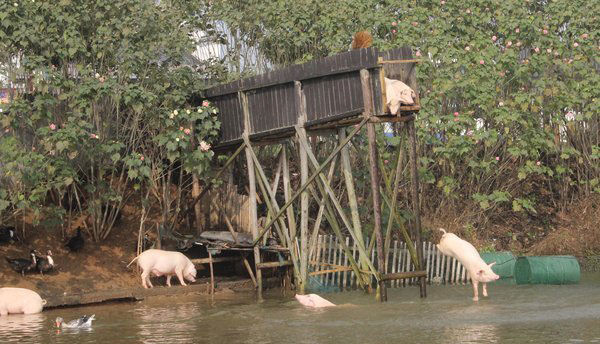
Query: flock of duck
[[36, 262]]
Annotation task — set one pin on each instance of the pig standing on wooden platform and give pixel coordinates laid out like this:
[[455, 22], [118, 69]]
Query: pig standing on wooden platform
[[467, 255], [20, 301], [165, 263]]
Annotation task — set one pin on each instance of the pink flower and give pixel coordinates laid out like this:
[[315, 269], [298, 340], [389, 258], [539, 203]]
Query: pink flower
[[494, 38], [385, 161], [469, 132], [456, 114], [468, 11], [393, 31], [497, 158], [142, 157], [538, 163], [545, 31], [456, 119], [570, 116], [584, 36], [442, 2], [205, 103], [186, 131], [536, 49], [204, 146], [414, 23], [481, 62], [394, 23], [52, 126], [517, 30], [508, 44], [575, 44], [418, 53]]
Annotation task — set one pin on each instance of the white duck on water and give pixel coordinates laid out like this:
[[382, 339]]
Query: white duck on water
[[83, 322]]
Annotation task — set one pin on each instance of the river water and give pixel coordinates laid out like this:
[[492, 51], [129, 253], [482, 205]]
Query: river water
[[512, 314]]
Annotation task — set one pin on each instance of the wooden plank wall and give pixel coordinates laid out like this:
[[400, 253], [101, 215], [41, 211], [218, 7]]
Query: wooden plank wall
[[332, 92]]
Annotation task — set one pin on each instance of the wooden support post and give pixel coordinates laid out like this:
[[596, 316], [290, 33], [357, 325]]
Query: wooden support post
[[212, 275], [365, 81], [252, 209], [286, 192], [249, 269], [414, 176], [349, 178], [326, 189], [304, 196], [315, 174]]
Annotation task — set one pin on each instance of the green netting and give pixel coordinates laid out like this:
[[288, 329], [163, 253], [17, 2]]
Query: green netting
[[547, 270], [315, 285], [505, 263]]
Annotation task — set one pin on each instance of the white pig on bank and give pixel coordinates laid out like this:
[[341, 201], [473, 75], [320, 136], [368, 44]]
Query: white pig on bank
[[467, 255], [165, 263], [20, 301], [313, 300]]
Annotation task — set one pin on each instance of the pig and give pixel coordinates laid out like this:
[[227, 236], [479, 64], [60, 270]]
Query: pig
[[467, 255], [20, 300], [313, 300], [168, 263]]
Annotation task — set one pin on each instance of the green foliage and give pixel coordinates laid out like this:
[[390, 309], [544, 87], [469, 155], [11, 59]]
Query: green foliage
[[97, 77]]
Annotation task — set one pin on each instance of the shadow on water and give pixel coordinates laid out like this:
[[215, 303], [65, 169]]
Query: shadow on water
[[512, 314]]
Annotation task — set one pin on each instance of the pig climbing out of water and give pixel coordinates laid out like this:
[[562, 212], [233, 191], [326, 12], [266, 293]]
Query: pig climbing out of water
[[313, 300], [165, 263], [467, 255], [20, 301]]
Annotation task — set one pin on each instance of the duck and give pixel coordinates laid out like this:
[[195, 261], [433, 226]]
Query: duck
[[23, 265], [44, 264], [7, 235], [83, 322], [76, 243]]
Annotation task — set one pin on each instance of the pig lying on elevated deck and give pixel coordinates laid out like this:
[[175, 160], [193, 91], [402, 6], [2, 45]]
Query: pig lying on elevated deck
[[20, 301], [167, 263], [467, 255]]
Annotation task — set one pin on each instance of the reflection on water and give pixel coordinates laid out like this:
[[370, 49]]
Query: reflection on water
[[22, 326], [512, 314]]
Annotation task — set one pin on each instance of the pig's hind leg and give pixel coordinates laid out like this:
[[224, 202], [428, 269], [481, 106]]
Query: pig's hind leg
[[146, 279], [169, 280]]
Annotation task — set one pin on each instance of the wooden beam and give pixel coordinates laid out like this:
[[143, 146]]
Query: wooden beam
[[399, 61], [215, 260], [310, 180], [271, 265], [365, 81], [299, 95], [403, 275], [249, 269], [414, 176]]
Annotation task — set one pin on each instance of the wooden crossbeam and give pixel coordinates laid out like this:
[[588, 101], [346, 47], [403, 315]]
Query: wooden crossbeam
[[271, 265], [403, 275], [310, 180]]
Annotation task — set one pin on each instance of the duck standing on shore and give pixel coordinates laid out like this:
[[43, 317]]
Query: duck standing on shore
[[44, 264], [76, 243], [83, 322], [23, 265]]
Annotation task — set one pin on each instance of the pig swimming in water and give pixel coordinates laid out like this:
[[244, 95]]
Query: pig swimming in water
[[165, 263], [20, 301], [313, 300], [467, 255]]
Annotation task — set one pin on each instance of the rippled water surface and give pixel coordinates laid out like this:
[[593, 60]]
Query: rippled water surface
[[512, 314]]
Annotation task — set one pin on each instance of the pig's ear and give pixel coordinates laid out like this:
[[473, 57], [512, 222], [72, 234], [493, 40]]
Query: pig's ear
[[491, 264]]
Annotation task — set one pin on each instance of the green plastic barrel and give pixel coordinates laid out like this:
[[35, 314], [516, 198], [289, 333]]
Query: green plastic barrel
[[547, 270], [505, 263]]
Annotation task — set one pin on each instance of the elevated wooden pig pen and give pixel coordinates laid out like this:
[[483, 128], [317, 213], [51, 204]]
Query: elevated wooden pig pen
[[341, 94]]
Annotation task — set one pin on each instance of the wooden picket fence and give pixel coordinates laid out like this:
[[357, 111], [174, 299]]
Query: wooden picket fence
[[328, 263]]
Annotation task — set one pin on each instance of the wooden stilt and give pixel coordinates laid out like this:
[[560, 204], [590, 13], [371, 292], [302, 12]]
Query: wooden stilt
[[252, 209], [286, 192], [365, 80], [414, 176], [212, 276], [249, 269]]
